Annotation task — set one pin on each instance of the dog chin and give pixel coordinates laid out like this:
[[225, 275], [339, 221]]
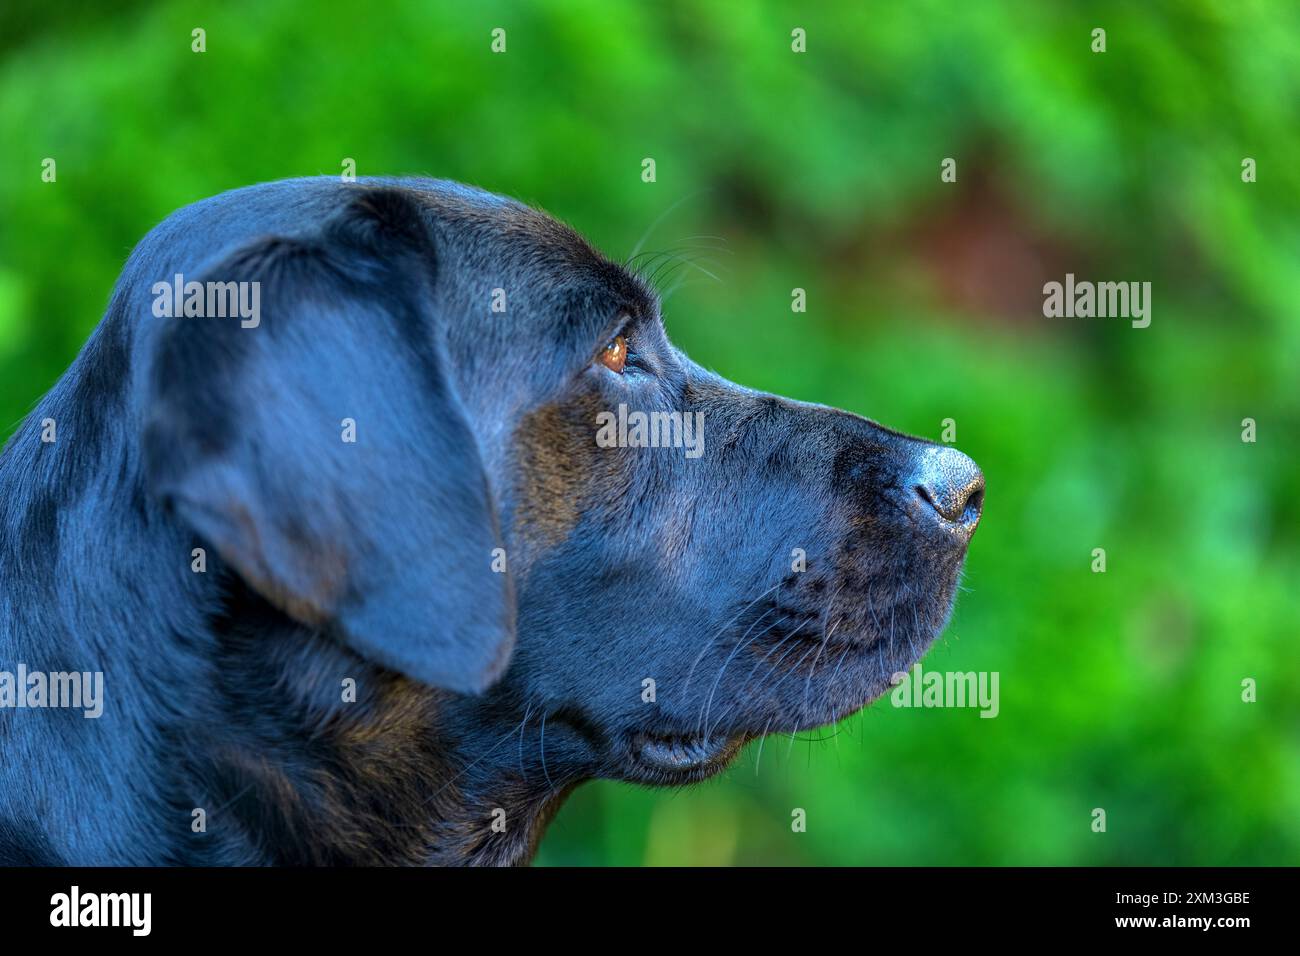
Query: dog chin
[[682, 758], [677, 759], [673, 759]]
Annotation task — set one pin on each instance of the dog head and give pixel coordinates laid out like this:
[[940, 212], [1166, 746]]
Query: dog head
[[547, 509]]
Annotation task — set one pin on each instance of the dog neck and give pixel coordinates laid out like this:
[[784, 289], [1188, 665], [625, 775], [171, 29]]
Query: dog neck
[[321, 757]]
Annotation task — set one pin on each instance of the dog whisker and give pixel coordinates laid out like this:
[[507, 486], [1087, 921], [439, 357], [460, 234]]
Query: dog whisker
[[819, 646], [542, 748], [658, 266], [916, 629], [812, 647], [527, 711], [704, 711], [736, 704], [773, 669], [709, 643], [473, 763], [762, 739], [645, 237], [826, 636], [835, 673], [807, 687]]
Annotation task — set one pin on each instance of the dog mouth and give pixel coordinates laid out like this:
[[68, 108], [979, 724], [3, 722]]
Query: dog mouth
[[810, 675], [680, 757]]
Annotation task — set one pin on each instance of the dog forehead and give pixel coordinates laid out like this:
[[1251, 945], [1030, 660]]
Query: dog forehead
[[495, 226], [525, 263]]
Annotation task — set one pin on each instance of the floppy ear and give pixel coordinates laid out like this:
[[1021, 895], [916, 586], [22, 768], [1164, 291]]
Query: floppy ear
[[320, 448]]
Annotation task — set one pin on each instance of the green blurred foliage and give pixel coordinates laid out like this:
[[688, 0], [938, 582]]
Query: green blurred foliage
[[821, 170]]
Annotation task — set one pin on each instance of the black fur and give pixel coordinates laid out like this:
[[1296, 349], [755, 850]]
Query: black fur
[[482, 697]]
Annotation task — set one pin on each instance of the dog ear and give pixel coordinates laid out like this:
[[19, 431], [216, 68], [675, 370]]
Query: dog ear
[[315, 440]]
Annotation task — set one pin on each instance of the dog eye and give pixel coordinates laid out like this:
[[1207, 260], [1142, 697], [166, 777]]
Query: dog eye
[[615, 355]]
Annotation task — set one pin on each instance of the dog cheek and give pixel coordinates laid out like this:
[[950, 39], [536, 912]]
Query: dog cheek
[[553, 463]]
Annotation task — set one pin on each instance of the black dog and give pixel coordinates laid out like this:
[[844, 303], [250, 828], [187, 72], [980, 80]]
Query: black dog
[[363, 579]]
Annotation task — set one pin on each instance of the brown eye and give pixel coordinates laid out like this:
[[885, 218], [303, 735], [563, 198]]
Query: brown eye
[[615, 355]]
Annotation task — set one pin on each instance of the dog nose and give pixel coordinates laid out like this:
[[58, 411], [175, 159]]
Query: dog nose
[[952, 485]]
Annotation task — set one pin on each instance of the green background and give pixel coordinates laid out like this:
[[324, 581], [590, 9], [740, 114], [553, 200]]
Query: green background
[[820, 170]]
